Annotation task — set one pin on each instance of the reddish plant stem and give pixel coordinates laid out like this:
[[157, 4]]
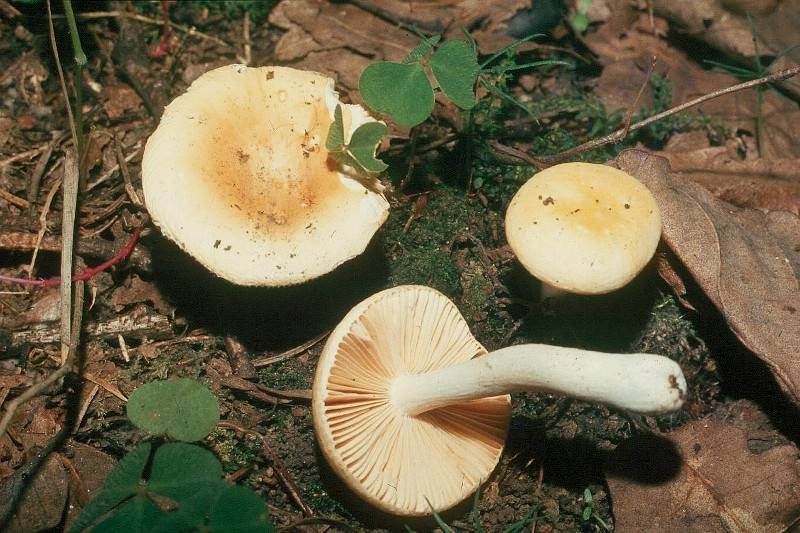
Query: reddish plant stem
[[86, 273]]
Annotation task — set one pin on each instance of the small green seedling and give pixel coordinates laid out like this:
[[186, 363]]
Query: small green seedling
[[359, 153], [580, 20], [404, 92], [174, 487], [589, 512]]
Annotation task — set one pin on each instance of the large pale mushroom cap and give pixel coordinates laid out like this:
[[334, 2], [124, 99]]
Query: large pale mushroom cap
[[393, 460], [583, 228], [238, 175]]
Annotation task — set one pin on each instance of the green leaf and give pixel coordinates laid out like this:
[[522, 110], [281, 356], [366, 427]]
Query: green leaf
[[455, 66], [121, 484], [239, 510], [587, 513], [580, 22], [180, 469], [587, 495], [401, 91], [335, 140], [183, 409], [139, 515], [364, 143], [422, 49]]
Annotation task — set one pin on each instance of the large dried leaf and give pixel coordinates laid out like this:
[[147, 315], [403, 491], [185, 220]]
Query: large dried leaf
[[725, 26], [762, 183], [337, 38], [746, 261], [726, 481], [626, 49]]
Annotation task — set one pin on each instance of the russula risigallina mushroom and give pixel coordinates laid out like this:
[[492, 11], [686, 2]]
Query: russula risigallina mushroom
[[408, 407], [583, 228], [237, 174]]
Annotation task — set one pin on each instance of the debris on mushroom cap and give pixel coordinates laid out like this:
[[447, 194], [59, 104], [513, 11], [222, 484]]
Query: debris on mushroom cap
[[237, 174], [583, 228], [393, 460]]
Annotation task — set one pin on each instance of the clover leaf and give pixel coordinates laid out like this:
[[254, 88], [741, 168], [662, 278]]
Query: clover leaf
[[455, 66], [182, 409], [184, 492], [399, 90]]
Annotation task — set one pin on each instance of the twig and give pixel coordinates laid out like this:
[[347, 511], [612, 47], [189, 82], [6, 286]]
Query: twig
[[99, 248], [86, 273], [43, 224], [54, 46], [277, 464], [38, 172], [133, 325], [126, 176], [14, 199], [632, 109], [24, 155], [67, 367], [546, 161], [9, 10], [148, 20], [291, 352]]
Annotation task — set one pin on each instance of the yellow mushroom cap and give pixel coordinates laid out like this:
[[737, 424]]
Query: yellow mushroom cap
[[393, 460], [583, 228], [237, 174]]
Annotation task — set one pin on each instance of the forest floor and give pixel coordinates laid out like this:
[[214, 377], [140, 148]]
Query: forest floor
[[727, 461]]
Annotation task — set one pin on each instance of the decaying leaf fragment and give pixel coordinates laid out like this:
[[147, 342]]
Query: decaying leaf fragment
[[762, 183], [746, 261], [720, 486]]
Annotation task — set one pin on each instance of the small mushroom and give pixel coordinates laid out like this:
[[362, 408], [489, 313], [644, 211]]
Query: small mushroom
[[237, 174], [583, 228], [408, 407]]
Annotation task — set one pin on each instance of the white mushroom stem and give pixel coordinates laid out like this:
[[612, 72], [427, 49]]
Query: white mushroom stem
[[643, 383]]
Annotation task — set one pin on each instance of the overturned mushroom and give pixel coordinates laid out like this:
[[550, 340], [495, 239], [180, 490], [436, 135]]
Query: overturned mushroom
[[409, 408], [237, 174], [583, 228]]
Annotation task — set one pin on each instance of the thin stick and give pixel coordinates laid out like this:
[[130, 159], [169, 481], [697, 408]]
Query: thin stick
[[86, 273], [67, 367], [54, 46], [69, 191], [546, 161], [291, 487], [43, 224], [291, 352], [148, 20], [126, 176]]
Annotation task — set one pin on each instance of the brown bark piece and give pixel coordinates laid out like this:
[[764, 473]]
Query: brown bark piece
[[720, 485], [744, 260]]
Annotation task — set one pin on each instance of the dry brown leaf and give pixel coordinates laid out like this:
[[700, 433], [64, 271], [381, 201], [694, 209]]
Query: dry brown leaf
[[626, 50], [137, 291], [724, 26], [88, 468], [763, 183], [42, 504], [720, 486], [747, 262], [341, 39]]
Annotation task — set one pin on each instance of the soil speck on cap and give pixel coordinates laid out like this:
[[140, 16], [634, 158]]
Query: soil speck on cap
[[548, 201]]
